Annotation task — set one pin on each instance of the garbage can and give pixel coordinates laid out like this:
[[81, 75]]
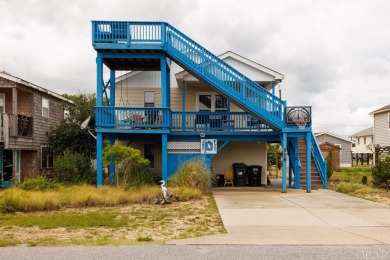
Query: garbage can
[[254, 175], [239, 174], [220, 179]]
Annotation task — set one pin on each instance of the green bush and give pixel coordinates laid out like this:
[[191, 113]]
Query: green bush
[[73, 168], [38, 183], [130, 168], [381, 172], [192, 174], [329, 164]]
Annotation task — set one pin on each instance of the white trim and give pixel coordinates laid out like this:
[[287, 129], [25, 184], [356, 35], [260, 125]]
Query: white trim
[[324, 133], [388, 121], [2, 97], [33, 86], [45, 107]]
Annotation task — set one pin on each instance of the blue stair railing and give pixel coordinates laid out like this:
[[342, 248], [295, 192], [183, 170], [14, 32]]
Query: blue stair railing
[[207, 67], [247, 94], [319, 160]]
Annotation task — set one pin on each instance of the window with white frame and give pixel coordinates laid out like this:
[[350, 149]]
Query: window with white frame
[[210, 102], [149, 97], [47, 157], [2, 103], [388, 119], [45, 107]]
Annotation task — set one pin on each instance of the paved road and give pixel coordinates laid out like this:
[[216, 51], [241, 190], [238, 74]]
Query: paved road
[[172, 252]]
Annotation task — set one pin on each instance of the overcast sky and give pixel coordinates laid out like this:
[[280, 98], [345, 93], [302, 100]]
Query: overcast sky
[[335, 54]]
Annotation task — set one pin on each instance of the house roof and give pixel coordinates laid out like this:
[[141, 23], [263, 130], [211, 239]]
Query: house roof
[[12, 78], [329, 144], [366, 132], [380, 110], [229, 54], [336, 136]]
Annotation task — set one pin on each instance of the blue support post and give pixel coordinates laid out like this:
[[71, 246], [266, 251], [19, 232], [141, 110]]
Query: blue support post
[[308, 163], [183, 102], [284, 161], [166, 102], [297, 179], [112, 88], [99, 136], [164, 157]]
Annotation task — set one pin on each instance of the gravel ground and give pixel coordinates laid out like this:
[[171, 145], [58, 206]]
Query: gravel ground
[[241, 252]]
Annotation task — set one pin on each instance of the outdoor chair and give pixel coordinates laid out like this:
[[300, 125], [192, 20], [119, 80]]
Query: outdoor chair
[[228, 175]]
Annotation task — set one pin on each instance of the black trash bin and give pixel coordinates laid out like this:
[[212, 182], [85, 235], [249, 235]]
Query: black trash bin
[[254, 175], [239, 174], [220, 179]]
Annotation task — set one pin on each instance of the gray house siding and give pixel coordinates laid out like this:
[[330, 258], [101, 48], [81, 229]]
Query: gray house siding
[[381, 129], [346, 148]]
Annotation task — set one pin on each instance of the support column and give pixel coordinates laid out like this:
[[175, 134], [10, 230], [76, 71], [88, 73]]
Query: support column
[[308, 163], [164, 157], [284, 161], [298, 165], [183, 102], [99, 136], [112, 88]]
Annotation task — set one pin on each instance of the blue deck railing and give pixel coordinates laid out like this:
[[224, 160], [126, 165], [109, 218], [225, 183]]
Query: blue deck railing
[[154, 117], [197, 60]]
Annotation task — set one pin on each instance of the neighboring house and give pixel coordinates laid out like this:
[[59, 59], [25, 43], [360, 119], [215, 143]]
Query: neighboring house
[[382, 130], [173, 100], [344, 143], [363, 148], [27, 112]]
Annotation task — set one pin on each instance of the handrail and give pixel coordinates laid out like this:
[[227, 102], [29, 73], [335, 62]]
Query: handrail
[[218, 73], [319, 160]]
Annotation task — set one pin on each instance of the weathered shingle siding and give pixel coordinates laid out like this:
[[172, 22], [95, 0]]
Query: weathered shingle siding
[[381, 129], [42, 125], [345, 155]]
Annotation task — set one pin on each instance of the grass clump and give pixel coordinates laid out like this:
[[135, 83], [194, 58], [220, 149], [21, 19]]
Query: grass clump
[[192, 174], [38, 183]]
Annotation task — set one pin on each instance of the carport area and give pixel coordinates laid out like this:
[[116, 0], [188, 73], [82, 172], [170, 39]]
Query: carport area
[[322, 217]]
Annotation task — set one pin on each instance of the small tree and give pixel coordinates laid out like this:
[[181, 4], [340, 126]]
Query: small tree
[[131, 168], [381, 172], [329, 164], [73, 168]]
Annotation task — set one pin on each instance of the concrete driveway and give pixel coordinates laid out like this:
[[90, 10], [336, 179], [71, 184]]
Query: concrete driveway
[[262, 216]]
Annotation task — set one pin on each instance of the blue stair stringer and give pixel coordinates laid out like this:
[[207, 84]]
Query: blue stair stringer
[[319, 160], [207, 67]]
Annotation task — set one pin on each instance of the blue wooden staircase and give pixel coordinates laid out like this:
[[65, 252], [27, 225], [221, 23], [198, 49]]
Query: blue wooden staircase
[[153, 40]]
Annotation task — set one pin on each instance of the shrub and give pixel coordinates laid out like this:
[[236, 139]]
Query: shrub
[[131, 168], [73, 168], [38, 183], [329, 164], [381, 172], [192, 174]]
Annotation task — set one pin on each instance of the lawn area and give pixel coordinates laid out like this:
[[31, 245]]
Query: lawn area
[[85, 215], [349, 181]]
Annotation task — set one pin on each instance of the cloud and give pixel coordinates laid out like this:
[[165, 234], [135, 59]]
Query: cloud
[[335, 54]]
